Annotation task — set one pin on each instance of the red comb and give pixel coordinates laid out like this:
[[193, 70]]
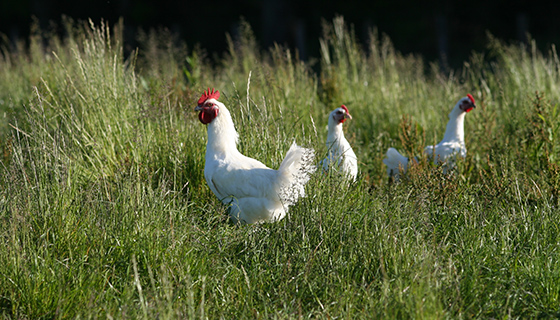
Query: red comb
[[214, 94], [345, 109], [470, 97]]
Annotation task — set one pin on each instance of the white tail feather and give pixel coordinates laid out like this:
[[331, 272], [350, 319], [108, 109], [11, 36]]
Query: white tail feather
[[294, 172], [395, 162]]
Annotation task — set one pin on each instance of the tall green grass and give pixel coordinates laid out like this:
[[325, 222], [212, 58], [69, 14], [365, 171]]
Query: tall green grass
[[106, 214]]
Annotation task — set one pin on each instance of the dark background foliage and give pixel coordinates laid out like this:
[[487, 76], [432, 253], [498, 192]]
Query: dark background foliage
[[447, 31]]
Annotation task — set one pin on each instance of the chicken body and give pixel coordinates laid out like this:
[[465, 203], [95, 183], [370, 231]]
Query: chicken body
[[446, 151], [254, 192], [340, 157]]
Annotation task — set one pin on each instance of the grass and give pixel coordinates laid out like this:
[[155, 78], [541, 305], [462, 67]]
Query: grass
[[105, 212]]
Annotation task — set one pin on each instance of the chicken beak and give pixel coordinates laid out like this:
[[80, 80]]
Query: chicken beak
[[347, 116], [198, 108]]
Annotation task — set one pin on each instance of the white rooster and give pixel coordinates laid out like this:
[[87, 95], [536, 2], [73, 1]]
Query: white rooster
[[445, 152], [254, 192], [341, 156]]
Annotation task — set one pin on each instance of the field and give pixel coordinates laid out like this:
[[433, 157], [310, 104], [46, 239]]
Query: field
[[106, 214]]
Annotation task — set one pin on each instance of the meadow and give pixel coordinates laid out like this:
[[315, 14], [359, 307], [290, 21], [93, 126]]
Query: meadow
[[105, 213]]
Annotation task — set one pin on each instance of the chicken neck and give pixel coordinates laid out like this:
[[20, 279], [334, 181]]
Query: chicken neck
[[222, 137], [335, 133], [455, 126]]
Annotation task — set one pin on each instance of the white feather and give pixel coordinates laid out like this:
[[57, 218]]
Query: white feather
[[395, 163], [255, 192], [445, 152], [340, 156]]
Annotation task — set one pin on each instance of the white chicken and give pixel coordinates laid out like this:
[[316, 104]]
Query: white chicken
[[445, 152], [341, 156], [254, 192]]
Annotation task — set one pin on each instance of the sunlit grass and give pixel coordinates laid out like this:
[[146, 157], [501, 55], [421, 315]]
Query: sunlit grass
[[105, 212]]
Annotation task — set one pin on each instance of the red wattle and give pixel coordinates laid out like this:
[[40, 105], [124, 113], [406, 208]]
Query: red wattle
[[201, 117], [207, 115]]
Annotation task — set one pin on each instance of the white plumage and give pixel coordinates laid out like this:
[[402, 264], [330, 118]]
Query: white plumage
[[445, 152], [254, 192], [340, 157]]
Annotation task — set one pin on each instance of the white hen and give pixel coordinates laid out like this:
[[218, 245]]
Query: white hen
[[445, 152], [341, 156], [254, 192]]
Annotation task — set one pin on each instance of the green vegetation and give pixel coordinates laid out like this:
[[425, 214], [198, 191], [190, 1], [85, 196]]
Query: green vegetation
[[105, 212]]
